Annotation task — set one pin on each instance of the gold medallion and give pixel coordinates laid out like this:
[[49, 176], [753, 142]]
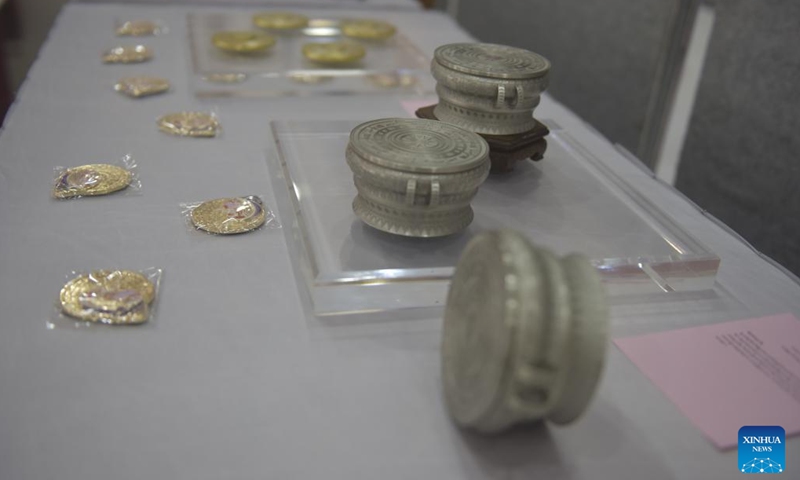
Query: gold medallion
[[128, 54], [141, 86], [334, 52], [138, 28], [392, 80], [225, 77], [116, 297], [242, 41], [90, 180], [368, 29], [310, 78], [189, 124], [229, 215], [280, 20]]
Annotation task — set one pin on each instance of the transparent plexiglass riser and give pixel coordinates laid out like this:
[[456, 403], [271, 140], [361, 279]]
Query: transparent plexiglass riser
[[393, 65], [567, 202]]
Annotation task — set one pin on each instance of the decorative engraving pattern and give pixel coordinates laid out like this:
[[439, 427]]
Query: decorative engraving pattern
[[415, 145], [489, 60]]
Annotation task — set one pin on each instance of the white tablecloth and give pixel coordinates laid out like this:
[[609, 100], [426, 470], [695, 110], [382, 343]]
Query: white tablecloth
[[234, 380]]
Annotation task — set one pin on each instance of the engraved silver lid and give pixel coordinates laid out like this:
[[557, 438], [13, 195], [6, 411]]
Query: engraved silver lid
[[421, 146], [493, 61]]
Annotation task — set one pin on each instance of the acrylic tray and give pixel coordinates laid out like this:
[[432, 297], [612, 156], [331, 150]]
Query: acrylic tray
[[392, 65], [568, 202]]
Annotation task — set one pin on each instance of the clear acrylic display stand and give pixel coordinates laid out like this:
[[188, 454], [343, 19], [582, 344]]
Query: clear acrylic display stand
[[567, 202], [392, 65]]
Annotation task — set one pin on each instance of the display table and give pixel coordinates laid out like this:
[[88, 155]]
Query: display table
[[234, 378]]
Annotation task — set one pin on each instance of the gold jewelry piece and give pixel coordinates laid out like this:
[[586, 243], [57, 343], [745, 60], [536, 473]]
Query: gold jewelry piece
[[392, 80], [128, 54], [141, 86], [333, 52], [242, 41], [368, 29], [138, 28], [280, 20], [229, 215], [225, 77], [310, 78], [90, 180], [116, 297], [189, 124]]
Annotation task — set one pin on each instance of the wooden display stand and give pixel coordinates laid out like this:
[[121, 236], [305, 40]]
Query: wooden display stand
[[506, 150]]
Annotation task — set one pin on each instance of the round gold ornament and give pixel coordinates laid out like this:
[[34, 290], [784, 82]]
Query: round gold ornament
[[228, 216], [138, 28], [243, 41], [333, 52], [90, 180], [141, 86], [115, 297], [189, 124], [280, 20], [368, 29], [128, 54]]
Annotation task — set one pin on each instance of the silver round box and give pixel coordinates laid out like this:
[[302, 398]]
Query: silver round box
[[487, 88], [416, 177]]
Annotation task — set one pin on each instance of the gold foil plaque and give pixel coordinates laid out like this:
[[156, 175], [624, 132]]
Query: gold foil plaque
[[243, 41], [333, 53], [368, 29], [138, 28], [280, 20], [115, 297], [189, 124], [141, 86], [392, 80], [128, 54], [90, 180], [228, 216]]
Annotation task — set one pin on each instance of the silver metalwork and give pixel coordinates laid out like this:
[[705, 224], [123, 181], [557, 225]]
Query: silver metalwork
[[416, 177], [487, 88]]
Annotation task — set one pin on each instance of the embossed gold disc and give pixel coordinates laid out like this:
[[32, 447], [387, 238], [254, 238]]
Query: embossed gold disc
[[89, 180], [189, 124], [280, 20], [242, 41], [229, 215], [333, 52], [128, 54], [114, 297], [138, 28], [141, 86], [368, 29]]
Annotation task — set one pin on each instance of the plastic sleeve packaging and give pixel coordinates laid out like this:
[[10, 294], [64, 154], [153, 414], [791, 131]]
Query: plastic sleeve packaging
[[193, 124], [119, 178], [136, 27], [107, 298], [229, 215]]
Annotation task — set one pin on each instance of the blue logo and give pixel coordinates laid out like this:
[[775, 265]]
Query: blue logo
[[762, 449]]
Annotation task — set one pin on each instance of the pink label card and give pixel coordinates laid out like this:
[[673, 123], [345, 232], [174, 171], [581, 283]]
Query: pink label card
[[727, 375]]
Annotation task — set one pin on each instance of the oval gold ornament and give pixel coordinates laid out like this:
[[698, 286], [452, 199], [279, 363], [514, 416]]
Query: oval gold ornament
[[189, 124], [116, 297], [333, 53], [280, 20], [90, 180], [128, 54], [368, 29], [141, 86], [242, 41], [227, 216], [138, 28]]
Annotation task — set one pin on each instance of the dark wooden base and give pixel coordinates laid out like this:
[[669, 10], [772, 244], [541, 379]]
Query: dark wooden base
[[506, 150]]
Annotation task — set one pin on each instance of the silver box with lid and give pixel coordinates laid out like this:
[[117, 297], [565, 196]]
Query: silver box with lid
[[416, 177], [487, 88]]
